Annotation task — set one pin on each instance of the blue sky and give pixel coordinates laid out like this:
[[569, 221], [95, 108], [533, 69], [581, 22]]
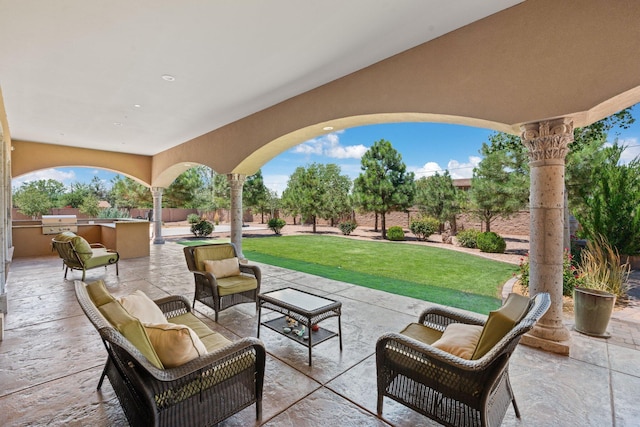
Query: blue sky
[[425, 148]]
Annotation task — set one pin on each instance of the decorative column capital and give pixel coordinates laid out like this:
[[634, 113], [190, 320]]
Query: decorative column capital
[[156, 191], [236, 179], [548, 139]]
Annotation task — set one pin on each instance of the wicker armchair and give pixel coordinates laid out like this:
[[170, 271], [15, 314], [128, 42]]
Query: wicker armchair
[[222, 291], [201, 392], [446, 388]]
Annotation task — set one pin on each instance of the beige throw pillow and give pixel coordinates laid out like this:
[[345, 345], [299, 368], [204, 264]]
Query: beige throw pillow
[[459, 339], [140, 306], [174, 344], [222, 268]]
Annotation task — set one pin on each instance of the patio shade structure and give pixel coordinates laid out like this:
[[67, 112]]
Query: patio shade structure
[[153, 88]]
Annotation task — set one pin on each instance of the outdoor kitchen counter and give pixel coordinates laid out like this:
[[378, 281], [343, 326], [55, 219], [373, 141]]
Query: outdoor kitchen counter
[[129, 237]]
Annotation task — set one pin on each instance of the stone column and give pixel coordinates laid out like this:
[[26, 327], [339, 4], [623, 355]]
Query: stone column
[[157, 215], [236, 182], [547, 143], [5, 227]]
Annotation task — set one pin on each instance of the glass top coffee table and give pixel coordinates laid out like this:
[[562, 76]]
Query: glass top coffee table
[[307, 309]]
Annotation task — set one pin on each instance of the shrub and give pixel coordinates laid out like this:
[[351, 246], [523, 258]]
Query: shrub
[[276, 224], [395, 233], [601, 268], [347, 227], [424, 227], [202, 228], [491, 242], [113, 213], [570, 275], [468, 238], [193, 218]]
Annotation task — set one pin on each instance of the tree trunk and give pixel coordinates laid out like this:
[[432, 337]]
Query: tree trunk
[[384, 226], [487, 225], [375, 226], [262, 217], [314, 223]]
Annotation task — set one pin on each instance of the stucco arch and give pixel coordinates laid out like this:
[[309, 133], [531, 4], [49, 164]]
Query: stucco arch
[[32, 156], [169, 175], [270, 150]]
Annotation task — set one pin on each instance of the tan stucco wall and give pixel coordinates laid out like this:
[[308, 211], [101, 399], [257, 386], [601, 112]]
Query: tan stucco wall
[[538, 60], [32, 156]]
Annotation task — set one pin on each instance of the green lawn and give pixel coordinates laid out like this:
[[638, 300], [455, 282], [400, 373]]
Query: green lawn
[[447, 277]]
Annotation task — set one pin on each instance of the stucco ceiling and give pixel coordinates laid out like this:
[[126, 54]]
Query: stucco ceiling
[[90, 74]]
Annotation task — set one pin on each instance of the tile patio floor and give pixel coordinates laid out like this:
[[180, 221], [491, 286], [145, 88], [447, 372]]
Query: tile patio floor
[[51, 357]]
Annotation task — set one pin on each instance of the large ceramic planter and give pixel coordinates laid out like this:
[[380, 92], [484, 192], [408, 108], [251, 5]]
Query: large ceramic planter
[[592, 310]]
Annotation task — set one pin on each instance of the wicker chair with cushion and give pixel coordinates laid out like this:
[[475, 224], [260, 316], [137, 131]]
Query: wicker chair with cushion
[[78, 254], [221, 280], [453, 368], [166, 366]]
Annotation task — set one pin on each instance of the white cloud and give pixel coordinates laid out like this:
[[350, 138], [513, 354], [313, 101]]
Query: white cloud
[[277, 183], [456, 169], [429, 169], [309, 147], [329, 145], [459, 170], [65, 177], [631, 152]]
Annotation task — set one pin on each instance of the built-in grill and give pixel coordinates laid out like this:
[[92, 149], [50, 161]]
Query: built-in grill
[[54, 224]]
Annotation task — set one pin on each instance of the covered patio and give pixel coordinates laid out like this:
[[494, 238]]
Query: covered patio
[[51, 357], [84, 86]]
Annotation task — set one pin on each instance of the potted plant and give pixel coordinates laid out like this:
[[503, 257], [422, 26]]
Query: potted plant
[[604, 278]]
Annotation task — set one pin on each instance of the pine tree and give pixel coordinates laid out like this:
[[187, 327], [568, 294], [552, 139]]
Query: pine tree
[[384, 184]]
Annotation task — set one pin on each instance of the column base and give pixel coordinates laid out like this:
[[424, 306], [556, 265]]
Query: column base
[[1, 326], [558, 347], [158, 241]]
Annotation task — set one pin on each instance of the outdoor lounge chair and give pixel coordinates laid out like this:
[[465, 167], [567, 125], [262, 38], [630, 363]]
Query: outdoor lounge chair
[[78, 254], [420, 369], [221, 279], [153, 376]]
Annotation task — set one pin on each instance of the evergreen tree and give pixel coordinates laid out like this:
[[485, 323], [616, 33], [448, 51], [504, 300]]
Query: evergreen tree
[[317, 191], [255, 195], [612, 202], [128, 193], [436, 196], [499, 186], [384, 184], [336, 202], [183, 191]]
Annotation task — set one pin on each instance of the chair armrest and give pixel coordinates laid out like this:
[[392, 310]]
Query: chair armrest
[[97, 245], [440, 317], [173, 305], [251, 269]]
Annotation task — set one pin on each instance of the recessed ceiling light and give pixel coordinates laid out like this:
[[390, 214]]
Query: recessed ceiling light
[[168, 77], [117, 124], [137, 105], [327, 128]]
